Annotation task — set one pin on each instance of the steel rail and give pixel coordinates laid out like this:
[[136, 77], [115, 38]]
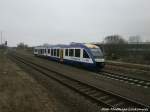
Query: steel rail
[[127, 79], [130, 66]]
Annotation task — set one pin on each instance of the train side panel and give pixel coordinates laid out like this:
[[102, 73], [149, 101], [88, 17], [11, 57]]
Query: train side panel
[[75, 54]]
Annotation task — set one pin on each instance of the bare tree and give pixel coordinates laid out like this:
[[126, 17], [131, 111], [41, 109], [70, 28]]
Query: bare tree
[[45, 44], [114, 46], [114, 39], [22, 45], [135, 39]]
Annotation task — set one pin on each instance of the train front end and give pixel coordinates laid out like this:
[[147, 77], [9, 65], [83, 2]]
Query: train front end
[[97, 55]]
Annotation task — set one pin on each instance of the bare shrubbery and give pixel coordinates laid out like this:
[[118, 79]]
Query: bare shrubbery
[[134, 50], [22, 45]]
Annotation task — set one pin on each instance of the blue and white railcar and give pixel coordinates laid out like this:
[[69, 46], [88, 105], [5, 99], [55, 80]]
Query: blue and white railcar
[[87, 55]]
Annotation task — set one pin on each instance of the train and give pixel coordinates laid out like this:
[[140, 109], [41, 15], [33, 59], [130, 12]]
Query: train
[[88, 56]]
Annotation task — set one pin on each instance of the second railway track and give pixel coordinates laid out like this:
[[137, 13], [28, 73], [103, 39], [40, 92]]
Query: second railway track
[[126, 79], [99, 96]]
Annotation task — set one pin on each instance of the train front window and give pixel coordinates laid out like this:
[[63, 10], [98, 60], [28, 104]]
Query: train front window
[[85, 54], [97, 53]]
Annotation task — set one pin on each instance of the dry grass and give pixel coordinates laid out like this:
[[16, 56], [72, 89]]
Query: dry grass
[[19, 92]]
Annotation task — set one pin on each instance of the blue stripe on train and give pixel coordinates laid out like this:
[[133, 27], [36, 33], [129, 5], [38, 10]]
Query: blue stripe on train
[[71, 62]]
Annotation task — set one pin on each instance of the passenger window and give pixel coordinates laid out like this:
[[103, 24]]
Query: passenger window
[[66, 52], [54, 52], [71, 52], [57, 52], [85, 54], [48, 51], [77, 52], [45, 50]]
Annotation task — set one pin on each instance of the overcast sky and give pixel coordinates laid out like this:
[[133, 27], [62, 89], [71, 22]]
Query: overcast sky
[[35, 22]]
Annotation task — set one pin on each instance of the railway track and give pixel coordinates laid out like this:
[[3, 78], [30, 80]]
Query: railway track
[[127, 70], [126, 79], [144, 68], [99, 96]]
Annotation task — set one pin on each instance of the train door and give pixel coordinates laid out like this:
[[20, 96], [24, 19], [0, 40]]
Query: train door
[[61, 55]]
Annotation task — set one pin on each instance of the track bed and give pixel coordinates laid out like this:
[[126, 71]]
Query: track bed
[[82, 71]]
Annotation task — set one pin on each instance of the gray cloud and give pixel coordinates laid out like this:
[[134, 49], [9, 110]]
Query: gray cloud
[[63, 21]]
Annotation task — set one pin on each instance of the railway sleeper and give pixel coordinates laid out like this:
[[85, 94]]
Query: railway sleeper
[[110, 101], [97, 95], [104, 97], [92, 92], [87, 90], [79, 85]]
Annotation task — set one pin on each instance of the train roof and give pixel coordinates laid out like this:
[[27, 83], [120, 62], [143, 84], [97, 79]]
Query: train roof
[[80, 45]]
